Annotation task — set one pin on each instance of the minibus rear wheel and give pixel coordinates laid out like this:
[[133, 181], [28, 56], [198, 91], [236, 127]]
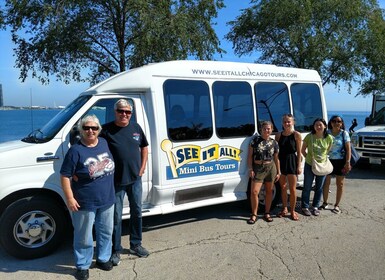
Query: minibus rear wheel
[[32, 227], [261, 197]]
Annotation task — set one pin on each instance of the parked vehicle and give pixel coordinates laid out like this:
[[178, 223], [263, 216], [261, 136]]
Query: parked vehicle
[[369, 141], [199, 117]]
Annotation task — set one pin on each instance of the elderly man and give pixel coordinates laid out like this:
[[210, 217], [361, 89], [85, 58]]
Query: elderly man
[[129, 147]]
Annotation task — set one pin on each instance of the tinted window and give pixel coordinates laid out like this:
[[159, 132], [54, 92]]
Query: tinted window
[[188, 111], [307, 105], [233, 108], [272, 102], [103, 109]]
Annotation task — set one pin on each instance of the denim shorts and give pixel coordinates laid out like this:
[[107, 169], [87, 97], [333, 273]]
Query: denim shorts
[[264, 172]]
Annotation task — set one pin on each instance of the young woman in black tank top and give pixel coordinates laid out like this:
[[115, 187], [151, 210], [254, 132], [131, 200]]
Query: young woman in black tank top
[[289, 142]]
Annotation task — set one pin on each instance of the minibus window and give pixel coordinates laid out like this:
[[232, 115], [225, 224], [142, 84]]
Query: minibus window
[[48, 131], [233, 109], [307, 105], [188, 111], [272, 102], [103, 109]]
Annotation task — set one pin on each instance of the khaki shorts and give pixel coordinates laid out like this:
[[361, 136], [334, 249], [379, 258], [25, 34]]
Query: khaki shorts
[[265, 172]]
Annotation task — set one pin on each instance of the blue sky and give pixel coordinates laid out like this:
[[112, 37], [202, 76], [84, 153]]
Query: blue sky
[[16, 93]]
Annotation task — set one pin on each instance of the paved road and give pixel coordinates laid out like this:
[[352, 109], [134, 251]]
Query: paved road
[[216, 243]]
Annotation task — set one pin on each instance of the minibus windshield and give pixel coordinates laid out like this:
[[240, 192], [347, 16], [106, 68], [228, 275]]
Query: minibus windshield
[[48, 131]]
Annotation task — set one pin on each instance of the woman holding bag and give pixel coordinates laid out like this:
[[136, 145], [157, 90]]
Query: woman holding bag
[[340, 158], [315, 145]]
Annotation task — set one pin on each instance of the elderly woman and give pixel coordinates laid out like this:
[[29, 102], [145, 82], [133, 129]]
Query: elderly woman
[[87, 179]]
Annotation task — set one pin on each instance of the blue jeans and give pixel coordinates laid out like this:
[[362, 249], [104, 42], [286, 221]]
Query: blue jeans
[[83, 222], [307, 184], [134, 194]]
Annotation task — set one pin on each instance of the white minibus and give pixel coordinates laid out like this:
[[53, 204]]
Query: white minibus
[[198, 116]]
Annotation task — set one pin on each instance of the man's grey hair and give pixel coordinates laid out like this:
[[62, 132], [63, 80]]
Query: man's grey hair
[[123, 103]]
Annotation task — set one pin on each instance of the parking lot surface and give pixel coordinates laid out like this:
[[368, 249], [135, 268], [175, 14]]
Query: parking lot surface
[[216, 243]]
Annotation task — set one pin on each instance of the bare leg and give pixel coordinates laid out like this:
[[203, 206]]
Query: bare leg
[[293, 195], [340, 189], [255, 188], [282, 183], [326, 188]]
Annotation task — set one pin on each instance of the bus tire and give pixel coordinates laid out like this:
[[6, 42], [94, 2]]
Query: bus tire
[[261, 197], [32, 227], [275, 200]]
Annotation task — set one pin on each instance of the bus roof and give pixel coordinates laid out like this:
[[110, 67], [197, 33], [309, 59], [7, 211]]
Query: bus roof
[[141, 77]]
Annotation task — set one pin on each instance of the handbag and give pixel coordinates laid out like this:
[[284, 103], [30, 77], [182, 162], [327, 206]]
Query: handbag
[[354, 154], [320, 168]]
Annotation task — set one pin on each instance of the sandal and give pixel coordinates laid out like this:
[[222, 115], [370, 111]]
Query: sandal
[[324, 206], [252, 221], [283, 213], [268, 218], [294, 216], [336, 210]]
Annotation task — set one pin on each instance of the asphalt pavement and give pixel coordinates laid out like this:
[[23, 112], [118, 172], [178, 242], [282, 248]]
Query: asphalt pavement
[[216, 243]]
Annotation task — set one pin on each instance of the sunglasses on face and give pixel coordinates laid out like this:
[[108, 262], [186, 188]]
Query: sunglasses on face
[[336, 121], [93, 128], [127, 112]]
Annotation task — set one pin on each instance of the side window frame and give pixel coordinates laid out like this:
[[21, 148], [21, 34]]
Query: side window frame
[[188, 110]]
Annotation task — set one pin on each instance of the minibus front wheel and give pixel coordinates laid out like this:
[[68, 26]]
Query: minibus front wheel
[[32, 227]]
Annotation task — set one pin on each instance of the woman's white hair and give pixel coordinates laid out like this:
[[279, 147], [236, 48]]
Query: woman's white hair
[[86, 119]]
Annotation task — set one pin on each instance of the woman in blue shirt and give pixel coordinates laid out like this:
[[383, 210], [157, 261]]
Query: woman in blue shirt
[[87, 179], [339, 156]]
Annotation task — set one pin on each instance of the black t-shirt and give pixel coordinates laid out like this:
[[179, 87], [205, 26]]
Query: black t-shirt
[[125, 144]]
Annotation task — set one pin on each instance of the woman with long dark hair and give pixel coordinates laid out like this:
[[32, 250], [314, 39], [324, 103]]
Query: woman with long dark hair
[[315, 145]]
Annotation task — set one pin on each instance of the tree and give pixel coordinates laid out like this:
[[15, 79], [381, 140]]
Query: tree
[[374, 48], [64, 37], [329, 36]]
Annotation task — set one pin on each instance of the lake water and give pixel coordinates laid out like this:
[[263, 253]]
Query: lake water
[[16, 124]]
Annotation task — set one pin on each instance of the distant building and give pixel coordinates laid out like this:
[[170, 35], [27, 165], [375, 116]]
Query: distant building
[[1, 96]]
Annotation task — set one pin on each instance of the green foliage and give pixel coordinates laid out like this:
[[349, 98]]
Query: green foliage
[[73, 38], [330, 36]]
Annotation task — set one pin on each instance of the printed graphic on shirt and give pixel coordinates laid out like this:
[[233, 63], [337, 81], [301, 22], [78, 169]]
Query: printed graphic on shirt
[[136, 136], [194, 160], [100, 166]]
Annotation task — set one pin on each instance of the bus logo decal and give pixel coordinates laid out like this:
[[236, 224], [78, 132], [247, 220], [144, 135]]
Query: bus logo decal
[[192, 160]]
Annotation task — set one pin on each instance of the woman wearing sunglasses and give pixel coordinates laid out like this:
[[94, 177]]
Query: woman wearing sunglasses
[[339, 156], [87, 179]]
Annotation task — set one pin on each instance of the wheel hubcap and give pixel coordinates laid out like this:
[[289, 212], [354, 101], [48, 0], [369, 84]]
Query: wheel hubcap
[[34, 229]]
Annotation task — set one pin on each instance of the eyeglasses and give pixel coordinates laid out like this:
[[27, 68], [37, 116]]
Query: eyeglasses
[[336, 121], [93, 128], [127, 112]]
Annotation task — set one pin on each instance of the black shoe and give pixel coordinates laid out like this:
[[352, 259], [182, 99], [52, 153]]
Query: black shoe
[[139, 251], [115, 259], [82, 274], [107, 266]]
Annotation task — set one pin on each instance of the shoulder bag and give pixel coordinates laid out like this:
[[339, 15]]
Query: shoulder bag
[[320, 168], [354, 154]]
